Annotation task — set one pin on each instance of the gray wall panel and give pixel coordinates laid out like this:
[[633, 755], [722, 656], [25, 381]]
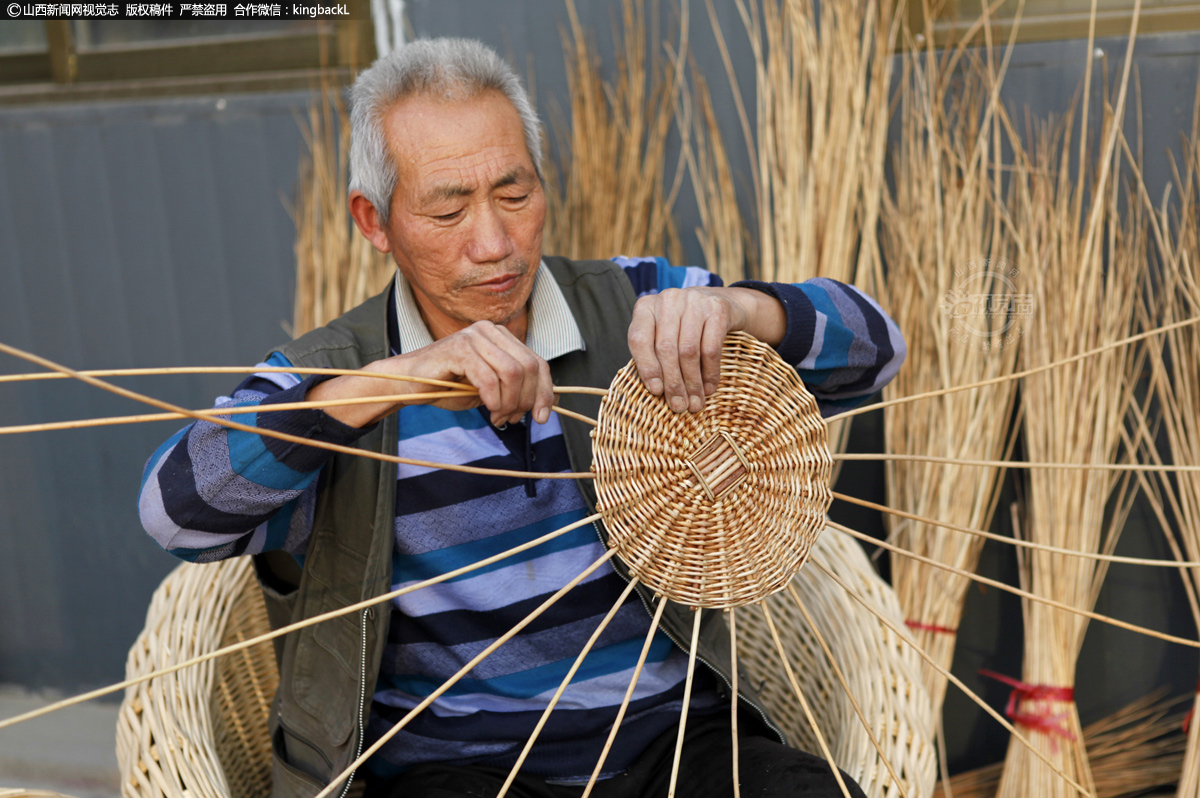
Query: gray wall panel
[[89, 244], [133, 234], [194, 234], [145, 269]]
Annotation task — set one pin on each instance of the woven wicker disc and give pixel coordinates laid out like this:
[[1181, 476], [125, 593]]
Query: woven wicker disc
[[717, 508]]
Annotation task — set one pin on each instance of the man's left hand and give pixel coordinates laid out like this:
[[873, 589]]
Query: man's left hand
[[676, 337]]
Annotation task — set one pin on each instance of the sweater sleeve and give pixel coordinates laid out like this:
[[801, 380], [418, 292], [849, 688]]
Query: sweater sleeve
[[210, 493], [843, 345], [651, 275]]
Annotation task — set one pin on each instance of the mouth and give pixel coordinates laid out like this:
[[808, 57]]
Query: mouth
[[500, 284]]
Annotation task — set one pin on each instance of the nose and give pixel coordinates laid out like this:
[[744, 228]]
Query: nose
[[490, 241]]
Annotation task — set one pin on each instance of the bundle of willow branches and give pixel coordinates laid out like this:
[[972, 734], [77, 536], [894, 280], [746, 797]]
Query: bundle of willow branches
[[951, 287], [723, 235], [610, 196], [817, 152], [822, 80], [1139, 747], [1177, 389], [822, 118], [336, 268], [1090, 262]]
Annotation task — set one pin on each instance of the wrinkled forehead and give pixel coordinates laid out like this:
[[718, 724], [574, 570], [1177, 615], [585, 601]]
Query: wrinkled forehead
[[431, 133]]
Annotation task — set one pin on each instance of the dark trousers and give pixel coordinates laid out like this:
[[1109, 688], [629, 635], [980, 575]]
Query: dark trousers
[[766, 769]]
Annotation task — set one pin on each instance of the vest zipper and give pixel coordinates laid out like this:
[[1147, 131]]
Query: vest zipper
[[362, 699], [728, 684]]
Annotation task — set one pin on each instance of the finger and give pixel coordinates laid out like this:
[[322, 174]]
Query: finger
[[666, 348], [715, 330], [524, 376], [691, 331], [527, 390], [487, 366], [641, 345], [545, 393], [480, 371], [531, 388]]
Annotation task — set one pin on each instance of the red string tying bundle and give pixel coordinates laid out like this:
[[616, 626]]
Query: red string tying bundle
[[928, 627], [1038, 721]]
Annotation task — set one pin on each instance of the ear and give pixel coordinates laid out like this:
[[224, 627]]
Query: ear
[[367, 219]]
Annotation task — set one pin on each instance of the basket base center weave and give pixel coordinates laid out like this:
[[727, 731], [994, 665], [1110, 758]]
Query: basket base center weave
[[718, 465]]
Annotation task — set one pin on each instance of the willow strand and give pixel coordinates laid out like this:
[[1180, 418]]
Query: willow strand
[[943, 760], [1018, 542], [562, 411], [209, 412], [281, 631], [983, 580], [903, 635], [1015, 375], [185, 370], [333, 447], [733, 699], [923, 458], [587, 647], [687, 699], [841, 677], [812, 722], [192, 370], [453, 680]]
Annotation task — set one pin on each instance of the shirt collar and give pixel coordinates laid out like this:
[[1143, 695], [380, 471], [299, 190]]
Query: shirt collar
[[552, 330]]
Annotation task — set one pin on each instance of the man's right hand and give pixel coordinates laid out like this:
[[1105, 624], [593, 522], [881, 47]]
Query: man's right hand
[[511, 379]]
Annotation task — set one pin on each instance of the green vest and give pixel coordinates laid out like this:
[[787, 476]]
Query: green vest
[[328, 671]]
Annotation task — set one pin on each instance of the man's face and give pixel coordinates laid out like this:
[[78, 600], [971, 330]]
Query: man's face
[[465, 226]]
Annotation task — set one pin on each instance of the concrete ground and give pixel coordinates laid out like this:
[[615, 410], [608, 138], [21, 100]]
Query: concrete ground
[[71, 751]]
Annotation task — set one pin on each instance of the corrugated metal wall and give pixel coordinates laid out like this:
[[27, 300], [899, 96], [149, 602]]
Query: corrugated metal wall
[[131, 234], [156, 233]]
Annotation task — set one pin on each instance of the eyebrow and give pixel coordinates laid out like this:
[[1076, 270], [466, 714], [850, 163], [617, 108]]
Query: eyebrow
[[456, 190]]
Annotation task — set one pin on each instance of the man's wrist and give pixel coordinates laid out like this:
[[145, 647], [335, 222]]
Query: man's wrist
[[800, 317], [313, 423], [765, 313], [356, 386]]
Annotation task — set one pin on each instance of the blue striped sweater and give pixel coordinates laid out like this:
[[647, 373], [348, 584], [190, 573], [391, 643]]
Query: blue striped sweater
[[210, 493]]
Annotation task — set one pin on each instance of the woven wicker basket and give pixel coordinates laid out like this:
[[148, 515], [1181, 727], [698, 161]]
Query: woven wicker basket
[[717, 508], [200, 732], [883, 673]]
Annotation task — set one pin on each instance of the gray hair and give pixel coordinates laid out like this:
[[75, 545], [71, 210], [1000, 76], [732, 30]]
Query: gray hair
[[452, 68]]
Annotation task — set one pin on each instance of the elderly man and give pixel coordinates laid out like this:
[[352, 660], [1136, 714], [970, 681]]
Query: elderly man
[[446, 177]]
